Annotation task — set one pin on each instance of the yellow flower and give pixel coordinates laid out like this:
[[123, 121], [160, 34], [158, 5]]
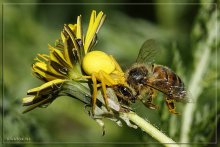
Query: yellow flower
[[64, 61], [65, 58]]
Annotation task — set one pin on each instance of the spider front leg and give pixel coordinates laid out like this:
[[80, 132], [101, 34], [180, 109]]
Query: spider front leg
[[105, 79], [103, 85], [94, 94], [171, 105]]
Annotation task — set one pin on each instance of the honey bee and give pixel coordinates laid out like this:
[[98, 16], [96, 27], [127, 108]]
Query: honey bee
[[145, 79]]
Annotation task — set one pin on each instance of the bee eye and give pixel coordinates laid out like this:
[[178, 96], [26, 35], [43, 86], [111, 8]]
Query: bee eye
[[125, 91]]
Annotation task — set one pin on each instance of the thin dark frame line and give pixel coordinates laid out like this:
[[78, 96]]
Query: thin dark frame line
[[105, 143], [2, 81], [216, 47], [6, 3], [99, 4]]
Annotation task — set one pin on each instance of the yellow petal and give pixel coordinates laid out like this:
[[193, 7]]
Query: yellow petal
[[63, 38], [38, 104], [57, 56], [41, 69], [40, 65], [93, 28], [54, 71], [73, 27], [44, 57], [79, 27], [91, 21], [46, 87], [67, 50], [55, 67], [73, 39], [28, 100]]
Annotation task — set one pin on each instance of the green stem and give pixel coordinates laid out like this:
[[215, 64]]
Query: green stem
[[190, 107], [195, 82], [151, 130]]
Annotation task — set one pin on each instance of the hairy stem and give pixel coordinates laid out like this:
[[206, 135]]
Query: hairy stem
[[151, 130]]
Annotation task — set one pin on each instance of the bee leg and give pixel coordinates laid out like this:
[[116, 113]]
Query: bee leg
[[171, 106], [104, 89], [148, 103], [94, 94]]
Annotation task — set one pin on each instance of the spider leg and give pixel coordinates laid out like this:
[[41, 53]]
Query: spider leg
[[171, 105], [101, 76], [117, 66], [108, 79], [105, 79], [94, 94], [86, 77], [103, 84], [99, 85]]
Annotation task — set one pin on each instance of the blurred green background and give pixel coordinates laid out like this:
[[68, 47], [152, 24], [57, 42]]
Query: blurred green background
[[184, 32]]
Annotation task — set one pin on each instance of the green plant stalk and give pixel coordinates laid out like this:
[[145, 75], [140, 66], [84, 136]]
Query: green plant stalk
[[196, 91], [151, 130], [195, 82]]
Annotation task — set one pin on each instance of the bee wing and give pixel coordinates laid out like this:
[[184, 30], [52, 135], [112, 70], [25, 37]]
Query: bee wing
[[147, 51]]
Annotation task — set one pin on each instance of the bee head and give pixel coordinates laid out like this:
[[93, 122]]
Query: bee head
[[137, 75]]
